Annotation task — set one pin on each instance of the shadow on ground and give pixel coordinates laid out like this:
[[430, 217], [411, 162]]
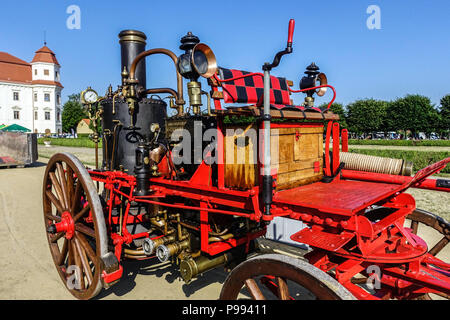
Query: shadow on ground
[[168, 271]]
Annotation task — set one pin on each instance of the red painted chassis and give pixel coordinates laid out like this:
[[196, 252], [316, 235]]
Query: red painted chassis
[[341, 236]]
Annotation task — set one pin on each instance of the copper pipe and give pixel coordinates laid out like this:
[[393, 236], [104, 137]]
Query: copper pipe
[[172, 55], [161, 90]]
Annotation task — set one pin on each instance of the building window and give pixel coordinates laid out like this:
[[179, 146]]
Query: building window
[[47, 97], [47, 115], [15, 96], [58, 98], [35, 97], [46, 73], [58, 117], [16, 115], [35, 115], [56, 75], [35, 72]]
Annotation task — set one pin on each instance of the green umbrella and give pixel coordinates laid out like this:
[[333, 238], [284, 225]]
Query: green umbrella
[[15, 128]]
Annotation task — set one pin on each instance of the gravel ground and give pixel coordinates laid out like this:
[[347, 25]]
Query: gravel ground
[[433, 201]]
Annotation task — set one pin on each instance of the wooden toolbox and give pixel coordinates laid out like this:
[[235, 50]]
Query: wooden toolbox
[[296, 154]]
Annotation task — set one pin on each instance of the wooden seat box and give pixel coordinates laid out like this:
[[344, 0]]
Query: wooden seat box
[[296, 154]]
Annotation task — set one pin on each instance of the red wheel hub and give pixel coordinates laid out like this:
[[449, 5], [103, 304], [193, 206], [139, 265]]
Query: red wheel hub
[[66, 225]]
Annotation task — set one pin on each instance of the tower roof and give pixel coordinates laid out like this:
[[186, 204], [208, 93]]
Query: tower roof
[[44, 54]]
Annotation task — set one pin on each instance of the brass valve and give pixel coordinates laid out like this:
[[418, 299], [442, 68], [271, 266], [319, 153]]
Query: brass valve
[[195, 96]]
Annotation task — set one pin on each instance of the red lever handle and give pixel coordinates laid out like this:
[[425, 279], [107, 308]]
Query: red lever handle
[[291, 31]]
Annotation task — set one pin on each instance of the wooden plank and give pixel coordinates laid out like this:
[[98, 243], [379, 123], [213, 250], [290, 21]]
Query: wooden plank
[[286, 114], [294, 151], [240, 161]]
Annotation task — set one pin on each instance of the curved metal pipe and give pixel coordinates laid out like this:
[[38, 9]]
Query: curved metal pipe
[[220, 238], [137, 252], [161, 90], [172, 55], [179, 107]]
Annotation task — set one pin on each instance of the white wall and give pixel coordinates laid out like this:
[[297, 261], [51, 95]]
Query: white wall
[[23, 105], [26, 106], [42, 106], [37, 71]]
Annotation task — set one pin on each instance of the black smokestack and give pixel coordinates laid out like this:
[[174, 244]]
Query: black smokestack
[[132, 43]]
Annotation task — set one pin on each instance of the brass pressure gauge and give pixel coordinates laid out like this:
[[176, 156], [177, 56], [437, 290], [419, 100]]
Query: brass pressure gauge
[[89, 96]]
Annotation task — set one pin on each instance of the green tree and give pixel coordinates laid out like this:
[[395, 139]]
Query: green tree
[[414, 113], [367, 115], [72, 113], [444, 114], [338, 109]]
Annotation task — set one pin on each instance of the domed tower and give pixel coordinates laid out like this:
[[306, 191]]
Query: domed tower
[[46, 91]]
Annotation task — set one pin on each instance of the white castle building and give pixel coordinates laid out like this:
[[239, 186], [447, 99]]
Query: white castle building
[[30, 93]]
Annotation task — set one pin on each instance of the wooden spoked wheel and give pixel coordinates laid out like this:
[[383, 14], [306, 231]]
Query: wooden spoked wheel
[[429, 219], [276, 276], [420, 218], [75, 226]]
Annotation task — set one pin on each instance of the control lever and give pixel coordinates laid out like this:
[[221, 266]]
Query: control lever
[[267, 179], [277, 58], [290, 32]]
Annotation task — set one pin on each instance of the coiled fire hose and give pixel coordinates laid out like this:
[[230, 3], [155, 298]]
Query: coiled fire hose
[[362, 162]]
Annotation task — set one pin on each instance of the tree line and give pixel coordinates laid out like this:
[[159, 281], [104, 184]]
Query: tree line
[[408, 115]]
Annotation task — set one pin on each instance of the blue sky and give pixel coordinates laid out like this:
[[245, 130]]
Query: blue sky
[[409, 54]]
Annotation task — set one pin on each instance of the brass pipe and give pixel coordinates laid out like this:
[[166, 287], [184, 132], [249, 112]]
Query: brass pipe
[[172, 55], [165, 222], [179, 231], [164, 240], [175, 248], [189, 226], [157, 223], [140, 257], [134, 252], [191, 268], [221, 238], [114, 102], [186, 225], [208, 101]]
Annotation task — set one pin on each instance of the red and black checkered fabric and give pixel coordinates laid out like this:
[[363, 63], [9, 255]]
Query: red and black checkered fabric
[[251, 89]]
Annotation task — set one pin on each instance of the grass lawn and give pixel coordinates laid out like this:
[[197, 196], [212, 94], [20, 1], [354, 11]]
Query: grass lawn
[[412, 143], [79, 142]]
